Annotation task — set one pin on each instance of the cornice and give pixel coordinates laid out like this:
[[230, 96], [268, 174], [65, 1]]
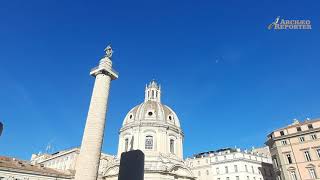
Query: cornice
[[296, 134], [152, 124]]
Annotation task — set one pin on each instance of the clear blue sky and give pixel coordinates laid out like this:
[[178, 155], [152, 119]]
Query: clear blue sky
[[230, 79]]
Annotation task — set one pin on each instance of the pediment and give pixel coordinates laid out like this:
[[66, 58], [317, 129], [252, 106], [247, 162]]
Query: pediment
[[181, 170], [112, 170]]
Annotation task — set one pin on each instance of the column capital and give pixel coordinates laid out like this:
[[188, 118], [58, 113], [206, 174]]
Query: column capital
[[104, 67]]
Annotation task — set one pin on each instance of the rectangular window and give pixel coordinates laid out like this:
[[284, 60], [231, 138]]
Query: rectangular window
[[278, 177], [235, 168], [227, 178], [248, 178], [289, 159], [217, 171], [275, 162], [252, 169], [237, 178], [312, 173], [149, 142], [246, 167], [172, 146], [284, 142], [281, 133], [307, 155], [126, 144], [298, 128], [310, 126], [301, 139], [293, 175], [318, 153], [226, 168], [313, 136]]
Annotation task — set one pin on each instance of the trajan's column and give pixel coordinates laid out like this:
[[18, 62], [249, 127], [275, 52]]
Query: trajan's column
[[88, 161]]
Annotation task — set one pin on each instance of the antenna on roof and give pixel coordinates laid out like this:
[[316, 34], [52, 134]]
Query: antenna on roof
[[48, 148]]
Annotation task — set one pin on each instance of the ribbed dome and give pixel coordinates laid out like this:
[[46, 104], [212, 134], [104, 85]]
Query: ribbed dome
[[152, 109]]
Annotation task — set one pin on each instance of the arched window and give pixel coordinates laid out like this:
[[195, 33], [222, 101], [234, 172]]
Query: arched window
[[126, 144], [149, 142], [172, 146]]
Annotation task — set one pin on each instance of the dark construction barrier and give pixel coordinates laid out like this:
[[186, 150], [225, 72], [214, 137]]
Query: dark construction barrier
[[131, 165]]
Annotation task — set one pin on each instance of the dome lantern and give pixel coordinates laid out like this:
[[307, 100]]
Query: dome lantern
[[153, 92]]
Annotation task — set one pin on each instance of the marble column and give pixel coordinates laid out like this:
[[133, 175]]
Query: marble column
[[88, 161]]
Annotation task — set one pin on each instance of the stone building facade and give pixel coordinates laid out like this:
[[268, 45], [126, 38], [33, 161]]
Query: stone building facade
[[66, 160], [231, 164], [15, 169], [295, 150]]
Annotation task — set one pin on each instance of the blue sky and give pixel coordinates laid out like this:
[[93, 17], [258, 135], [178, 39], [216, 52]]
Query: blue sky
[[230, 79]]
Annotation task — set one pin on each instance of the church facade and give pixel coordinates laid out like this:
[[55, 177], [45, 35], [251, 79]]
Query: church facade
[[153, 128]]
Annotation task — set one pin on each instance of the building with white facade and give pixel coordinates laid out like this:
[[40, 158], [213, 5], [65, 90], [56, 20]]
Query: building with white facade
[[153, 128], [231, 164], [66, 160]]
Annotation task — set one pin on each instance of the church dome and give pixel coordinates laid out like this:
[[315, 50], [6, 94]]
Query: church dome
[[152, 127], [152, 110]]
